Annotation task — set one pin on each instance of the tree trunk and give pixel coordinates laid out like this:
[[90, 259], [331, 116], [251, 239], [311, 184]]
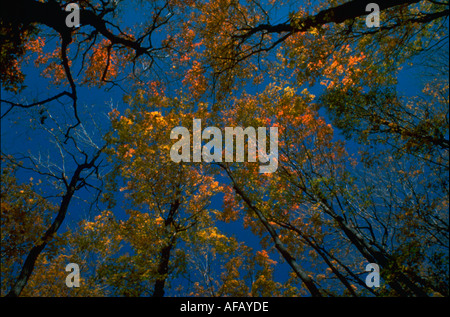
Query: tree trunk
[[163, 270], [32, 256], [309, 283]]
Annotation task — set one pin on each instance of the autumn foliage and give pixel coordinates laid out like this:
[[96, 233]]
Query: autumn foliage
[[363, 148]]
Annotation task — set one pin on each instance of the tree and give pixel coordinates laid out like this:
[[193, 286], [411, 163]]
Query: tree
[[24, 25], [312, 197], [362, 171], [170, 200], [66, 180], [238, 39], [25, 215]]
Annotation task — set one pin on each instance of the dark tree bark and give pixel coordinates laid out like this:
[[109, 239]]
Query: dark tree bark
[[163, 269], [54, 16], [347, 11], [32, 256], [307, 280], [164, 259]]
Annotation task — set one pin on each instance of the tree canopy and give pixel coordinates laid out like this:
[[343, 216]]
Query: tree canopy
[[88, 117]]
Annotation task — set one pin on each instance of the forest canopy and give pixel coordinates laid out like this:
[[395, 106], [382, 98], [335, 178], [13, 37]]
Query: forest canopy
[[90, 113]]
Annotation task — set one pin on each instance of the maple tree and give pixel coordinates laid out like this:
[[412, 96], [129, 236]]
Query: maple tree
[[362, 168], [66, 179], [25, 214]]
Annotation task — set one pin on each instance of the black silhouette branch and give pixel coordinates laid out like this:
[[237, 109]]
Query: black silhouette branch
[[76, 182]]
